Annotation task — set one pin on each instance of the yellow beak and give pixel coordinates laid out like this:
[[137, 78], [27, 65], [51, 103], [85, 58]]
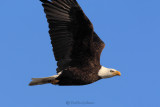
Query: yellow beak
[[117, 73]]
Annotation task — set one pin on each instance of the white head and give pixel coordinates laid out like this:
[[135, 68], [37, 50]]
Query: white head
[[107, 72]]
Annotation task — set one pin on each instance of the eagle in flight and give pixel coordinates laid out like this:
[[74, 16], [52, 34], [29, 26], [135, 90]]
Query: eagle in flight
[[77, 48]]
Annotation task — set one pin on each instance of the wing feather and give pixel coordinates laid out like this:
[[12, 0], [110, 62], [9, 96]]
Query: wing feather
[[98, 47], [71, 32]]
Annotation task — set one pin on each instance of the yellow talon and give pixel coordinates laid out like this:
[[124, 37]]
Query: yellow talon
[[54, 82]]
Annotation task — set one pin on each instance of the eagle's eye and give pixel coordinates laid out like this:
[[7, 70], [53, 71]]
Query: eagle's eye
[[111, 71]]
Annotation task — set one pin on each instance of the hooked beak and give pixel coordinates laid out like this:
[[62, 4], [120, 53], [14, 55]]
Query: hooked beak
[[117, 73]]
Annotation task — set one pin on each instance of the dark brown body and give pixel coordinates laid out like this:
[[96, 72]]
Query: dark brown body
[[79, 76]]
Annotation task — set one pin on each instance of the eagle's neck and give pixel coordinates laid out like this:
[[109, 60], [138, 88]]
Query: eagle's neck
[[104, 72]]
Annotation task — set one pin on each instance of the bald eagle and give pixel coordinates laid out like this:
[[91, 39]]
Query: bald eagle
[[77, 48]]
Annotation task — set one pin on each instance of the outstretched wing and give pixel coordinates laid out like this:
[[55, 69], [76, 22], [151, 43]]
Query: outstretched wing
[[71, 32]]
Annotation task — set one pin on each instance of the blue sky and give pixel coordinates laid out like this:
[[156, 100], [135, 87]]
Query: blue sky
[[131, 31]]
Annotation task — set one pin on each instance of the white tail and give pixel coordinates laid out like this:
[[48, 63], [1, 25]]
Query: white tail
[[45, 80], [39, 81]]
